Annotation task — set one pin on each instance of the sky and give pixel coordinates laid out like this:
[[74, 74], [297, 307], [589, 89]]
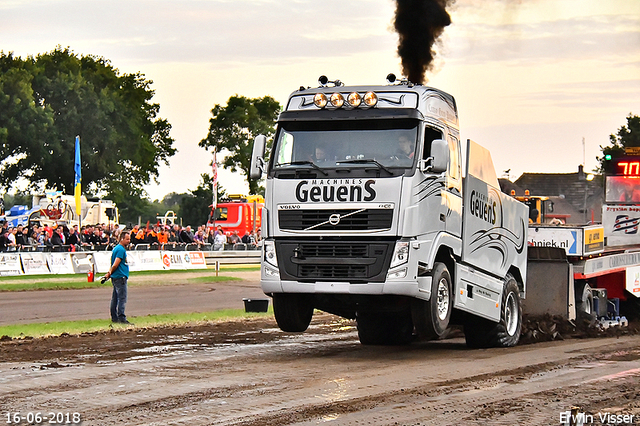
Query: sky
[[540, 83]]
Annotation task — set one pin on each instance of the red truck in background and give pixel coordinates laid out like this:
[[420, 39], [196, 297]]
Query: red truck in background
[[237, 213]]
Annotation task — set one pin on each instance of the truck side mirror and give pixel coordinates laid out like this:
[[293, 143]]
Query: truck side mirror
[[257, 157], [439, 159]]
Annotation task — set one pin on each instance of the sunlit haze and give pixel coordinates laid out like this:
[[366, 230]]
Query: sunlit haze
[[531, 78]]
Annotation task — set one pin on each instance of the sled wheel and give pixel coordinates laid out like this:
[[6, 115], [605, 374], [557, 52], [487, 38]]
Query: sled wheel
[[585, 309]]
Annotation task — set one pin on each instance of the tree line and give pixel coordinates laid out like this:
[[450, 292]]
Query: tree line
[[48, 99]]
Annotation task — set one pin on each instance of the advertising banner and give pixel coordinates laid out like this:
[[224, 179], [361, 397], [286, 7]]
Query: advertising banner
[[10, 264], [633, 280], [196, 260], [102, 260], [60, 263], [82, 262], [144, 260], [34, 263], [621, 225], [183, 260], [576, 241]]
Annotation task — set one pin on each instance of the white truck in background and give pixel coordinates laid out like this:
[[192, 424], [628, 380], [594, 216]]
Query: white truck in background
[[371, 212], [54, 208]]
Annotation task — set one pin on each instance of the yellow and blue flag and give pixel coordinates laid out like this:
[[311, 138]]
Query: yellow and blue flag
[[78, 181]]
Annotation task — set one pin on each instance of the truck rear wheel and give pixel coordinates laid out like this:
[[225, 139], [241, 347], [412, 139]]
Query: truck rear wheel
[[431, 318], [585, 311], [376, 328], [482, 333], [293, 312]]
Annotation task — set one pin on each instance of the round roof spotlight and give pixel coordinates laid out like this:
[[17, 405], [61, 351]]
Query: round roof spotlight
[[320, 100], [337, 100], [370, 99], [391, 78], [323, 80], [354, 99]]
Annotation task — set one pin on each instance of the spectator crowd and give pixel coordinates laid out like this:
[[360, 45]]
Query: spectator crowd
[[105, 237]]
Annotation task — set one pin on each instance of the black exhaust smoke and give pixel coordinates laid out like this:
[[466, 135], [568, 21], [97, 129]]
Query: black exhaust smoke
[[419, 23]]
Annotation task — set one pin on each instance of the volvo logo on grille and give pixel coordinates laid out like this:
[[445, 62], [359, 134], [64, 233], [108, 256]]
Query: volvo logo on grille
[[334, 219]]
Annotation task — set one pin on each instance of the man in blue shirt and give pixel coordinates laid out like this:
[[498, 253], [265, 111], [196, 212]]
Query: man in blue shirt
[[119, 274]]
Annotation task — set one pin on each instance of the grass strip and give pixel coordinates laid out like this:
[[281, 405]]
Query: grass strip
[[81, 283], [38, 330], [80, 277]]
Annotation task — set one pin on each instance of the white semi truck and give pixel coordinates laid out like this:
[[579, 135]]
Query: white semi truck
[[373, 212]]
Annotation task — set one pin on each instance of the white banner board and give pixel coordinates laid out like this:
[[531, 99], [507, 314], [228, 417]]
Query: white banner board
[[34, 263], [60, 263], [183, 260], [144, 260], [82, 262], [102, 260], [621, 225], [10, 264], [633, 280]]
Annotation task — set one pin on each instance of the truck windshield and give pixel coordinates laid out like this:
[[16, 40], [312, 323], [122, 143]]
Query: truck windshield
[[388, 143]]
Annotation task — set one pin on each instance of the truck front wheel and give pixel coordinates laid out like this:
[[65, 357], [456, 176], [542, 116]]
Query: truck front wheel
[[293, 312], [431, 318]]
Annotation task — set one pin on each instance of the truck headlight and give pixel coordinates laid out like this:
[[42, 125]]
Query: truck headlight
[[270, 253], [400, 254]]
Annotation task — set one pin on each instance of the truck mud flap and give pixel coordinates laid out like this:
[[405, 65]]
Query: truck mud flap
[[550, 287]]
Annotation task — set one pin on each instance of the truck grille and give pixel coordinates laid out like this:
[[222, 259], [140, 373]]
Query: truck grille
[[332, 272], [331, 250], [334, 260], [335, 220]]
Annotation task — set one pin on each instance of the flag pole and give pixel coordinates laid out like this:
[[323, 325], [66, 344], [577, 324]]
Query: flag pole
[[214, 166], [78, 185]]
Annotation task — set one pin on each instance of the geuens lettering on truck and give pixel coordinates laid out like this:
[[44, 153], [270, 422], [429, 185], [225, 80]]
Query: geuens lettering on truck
[[482, 207], [329, 191]]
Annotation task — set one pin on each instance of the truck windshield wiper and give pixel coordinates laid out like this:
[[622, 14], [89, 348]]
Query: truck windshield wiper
[[365, 161], [302, 163]]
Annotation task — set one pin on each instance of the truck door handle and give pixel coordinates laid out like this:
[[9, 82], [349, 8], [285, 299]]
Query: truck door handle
[[442, 217]]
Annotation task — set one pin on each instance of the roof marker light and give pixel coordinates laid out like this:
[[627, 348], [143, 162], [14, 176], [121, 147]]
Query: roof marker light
[[320, 100], [354, 99], [337, 100], [370, 99]]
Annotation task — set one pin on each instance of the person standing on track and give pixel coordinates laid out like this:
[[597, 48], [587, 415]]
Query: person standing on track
[[119, 274]]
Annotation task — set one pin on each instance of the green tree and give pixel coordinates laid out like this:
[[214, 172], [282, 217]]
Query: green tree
[[233, 128], [627, 136], [23, 121], [58, 95]]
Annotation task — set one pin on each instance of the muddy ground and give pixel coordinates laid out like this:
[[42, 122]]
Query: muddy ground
[[248, 372]]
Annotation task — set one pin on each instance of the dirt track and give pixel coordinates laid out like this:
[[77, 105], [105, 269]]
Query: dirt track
[[178, 294], [248, 372]]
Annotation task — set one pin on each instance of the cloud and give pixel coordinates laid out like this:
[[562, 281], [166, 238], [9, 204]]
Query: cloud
[[204, 31], [593, 94], [596, 37]]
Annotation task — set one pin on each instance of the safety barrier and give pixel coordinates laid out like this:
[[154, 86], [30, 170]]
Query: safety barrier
[[38, 263]]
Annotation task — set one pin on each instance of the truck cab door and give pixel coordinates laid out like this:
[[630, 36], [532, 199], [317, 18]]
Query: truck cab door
[[452, 195]]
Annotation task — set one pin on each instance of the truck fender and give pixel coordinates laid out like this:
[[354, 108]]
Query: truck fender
[[444, 239]]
